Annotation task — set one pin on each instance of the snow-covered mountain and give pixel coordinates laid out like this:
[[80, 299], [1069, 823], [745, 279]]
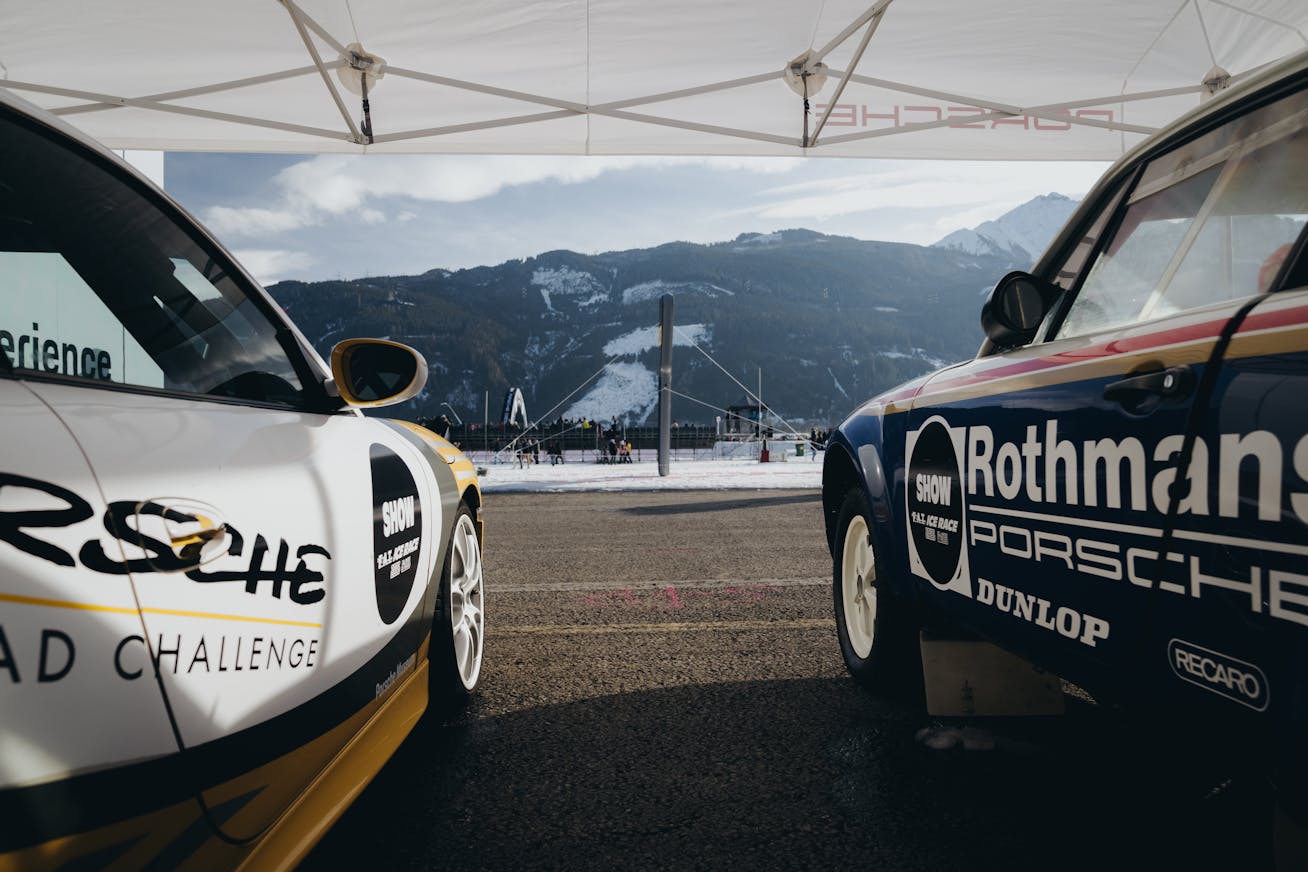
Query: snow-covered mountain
[[828, 320], [1020, 235]]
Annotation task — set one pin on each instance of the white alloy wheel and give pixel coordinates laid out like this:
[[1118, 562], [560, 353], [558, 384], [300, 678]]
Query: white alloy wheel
[[467, 619], [859, 595]]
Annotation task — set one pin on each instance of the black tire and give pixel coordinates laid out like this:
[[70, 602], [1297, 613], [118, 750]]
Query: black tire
[[878, 632], [458, 629]]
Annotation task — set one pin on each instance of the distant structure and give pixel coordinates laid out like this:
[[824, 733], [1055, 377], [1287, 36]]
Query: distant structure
[[742, 420], [515, 409]]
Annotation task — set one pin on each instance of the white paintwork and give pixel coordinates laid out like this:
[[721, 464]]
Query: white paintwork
[[88, 717], [299, 478]]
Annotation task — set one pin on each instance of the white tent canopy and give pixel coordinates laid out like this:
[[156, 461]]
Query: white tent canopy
[[1003, 79]]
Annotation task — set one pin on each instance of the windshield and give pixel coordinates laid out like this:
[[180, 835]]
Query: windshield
[[97, 282]]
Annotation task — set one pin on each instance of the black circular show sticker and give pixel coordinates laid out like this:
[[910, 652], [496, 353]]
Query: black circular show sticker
[[396, 531], [935, 502]]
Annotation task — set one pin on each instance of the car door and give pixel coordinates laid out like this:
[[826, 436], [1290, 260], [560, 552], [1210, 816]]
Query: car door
[[275, 650], [279, 551], [69, 642], [1228, 633], [1040, 479]]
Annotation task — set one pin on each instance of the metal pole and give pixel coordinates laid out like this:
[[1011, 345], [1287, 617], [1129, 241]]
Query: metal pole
[[665, 382], [485, 424]]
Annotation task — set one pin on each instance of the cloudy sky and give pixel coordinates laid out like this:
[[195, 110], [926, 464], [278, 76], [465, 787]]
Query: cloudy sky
[[330, 216]]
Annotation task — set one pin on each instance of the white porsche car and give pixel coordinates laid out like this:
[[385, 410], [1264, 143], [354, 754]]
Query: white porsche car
[[224, 593]]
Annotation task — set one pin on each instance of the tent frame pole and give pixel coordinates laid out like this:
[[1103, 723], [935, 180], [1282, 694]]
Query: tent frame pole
[[298, 19], [477, 88], [111, 102], [474, 126], [875, 14], [216, 88]]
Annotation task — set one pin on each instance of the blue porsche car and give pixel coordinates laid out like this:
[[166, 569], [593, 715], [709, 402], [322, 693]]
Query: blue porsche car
[[1116, 487]]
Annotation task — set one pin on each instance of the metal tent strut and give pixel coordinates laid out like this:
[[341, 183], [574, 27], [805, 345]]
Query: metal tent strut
[[303, 21], [872, 19], [314, 38]]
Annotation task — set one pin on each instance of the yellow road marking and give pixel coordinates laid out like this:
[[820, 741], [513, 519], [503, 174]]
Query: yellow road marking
[[119, 610], [682, 627]]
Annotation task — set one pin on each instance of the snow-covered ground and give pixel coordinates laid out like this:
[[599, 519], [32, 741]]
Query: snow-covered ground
[[580, 474]]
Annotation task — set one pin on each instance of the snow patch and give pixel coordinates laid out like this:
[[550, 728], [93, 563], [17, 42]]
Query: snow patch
[[566, 282], [746, 241], [624, 390], [1021, 233], [835, 381], [657, 288], [645, 338], [885, 308]]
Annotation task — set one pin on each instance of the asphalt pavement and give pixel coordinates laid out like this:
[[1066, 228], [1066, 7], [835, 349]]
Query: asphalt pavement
[[663, 690]]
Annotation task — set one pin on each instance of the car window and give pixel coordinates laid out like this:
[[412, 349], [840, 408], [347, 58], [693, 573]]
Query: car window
[[1088, 242], [99, 283], [1208, 223], [1124, 275], [1253, 221]]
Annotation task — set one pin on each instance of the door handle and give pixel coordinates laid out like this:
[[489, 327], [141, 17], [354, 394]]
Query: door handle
[[1141, 393], [194, 532], [200, 539], [208, 531]]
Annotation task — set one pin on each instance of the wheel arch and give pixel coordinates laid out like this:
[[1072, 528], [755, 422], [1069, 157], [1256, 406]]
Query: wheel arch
[[840, 473], [471, 497], [856, 458]]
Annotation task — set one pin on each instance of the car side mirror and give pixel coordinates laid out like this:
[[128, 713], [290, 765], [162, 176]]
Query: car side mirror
[[1016, 308], [377, 372]]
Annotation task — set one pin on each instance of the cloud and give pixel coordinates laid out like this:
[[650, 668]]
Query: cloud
[[985, 188], [311, 192], [270, 265], [228, 221]]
